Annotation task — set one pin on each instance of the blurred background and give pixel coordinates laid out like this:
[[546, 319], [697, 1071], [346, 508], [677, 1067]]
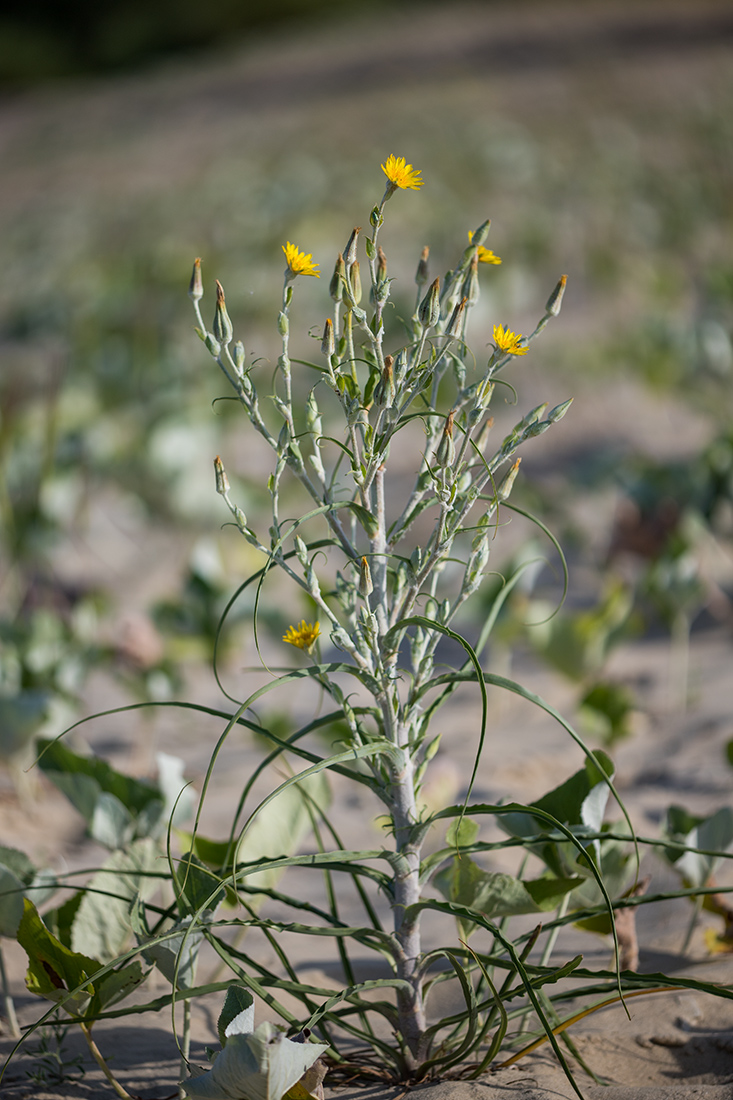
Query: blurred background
[[597, 136]]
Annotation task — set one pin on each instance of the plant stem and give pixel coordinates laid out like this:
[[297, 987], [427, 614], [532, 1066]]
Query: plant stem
[[8, 1004], [185, 1044], [99, 1059]]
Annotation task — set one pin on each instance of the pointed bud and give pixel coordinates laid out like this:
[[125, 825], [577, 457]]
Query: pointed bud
[[421, 275], [480, 235], [559, 411], [381, 265], [355, 281], [506, 486], [328, 341], [338, 279], [222, 326], [446, 450], [196, 286], [456, 319], [483, 436], [385, 390], [554, 302], [471, 289], [349, 252], [429, 311], [222, 481], [365, 579], [239, 357]]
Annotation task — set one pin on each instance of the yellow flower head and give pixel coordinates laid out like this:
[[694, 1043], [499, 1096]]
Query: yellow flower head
[[485, 255], [508, 341], [299, 263], [401, 174], [304, 635]]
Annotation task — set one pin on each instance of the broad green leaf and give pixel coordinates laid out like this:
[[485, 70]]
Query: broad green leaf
[[278, 830], [239, 1006], [461, 833], [53, 969], [176, 957], [118, 984], [18, 877], [713, 834], [134, 794], [102, 922], [195, 884], [495, 894], [262, 1065]]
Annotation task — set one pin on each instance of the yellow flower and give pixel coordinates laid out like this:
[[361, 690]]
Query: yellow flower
[[299, 263], [508, 341], [401, 174], [304, 635], [485, 255]]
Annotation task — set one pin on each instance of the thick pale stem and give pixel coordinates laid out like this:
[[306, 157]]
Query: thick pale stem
[[410, 1006]]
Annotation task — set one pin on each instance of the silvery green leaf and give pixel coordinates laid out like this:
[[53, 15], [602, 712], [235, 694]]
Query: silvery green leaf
[[102, 925], [111, 822], [262, 1065], [238, 1013], [175, 958]]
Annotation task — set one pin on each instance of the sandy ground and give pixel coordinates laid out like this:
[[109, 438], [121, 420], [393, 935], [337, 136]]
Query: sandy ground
[[676, 1045]]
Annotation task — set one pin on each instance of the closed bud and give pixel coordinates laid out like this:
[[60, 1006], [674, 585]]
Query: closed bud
[[212, 345], [385, 389], [506, 486], [456, 319], [446, 451], [222, 326], [222, 481], [421, 275], [349, 252], [365, 579], [429, 311], [301, 551], [376, 218], [283, 324], [479, 236], [381, 265], [559, 411], [338, 280], [471, 289], [328, 341], [483, 436], [239, 357], [554, 302], [355, 281], [196, 286], [313, 415]]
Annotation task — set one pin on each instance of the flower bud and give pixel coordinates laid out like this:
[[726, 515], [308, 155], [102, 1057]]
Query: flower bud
[[385, 389], [456, 319], [421, 275], [355, 282], [381, 265], [376, 218], [480, 235], [429, 310], [349, 252], [445, 451], [338, 279], [559, 411], [283, 324], [328, 341], [506, 486], [239, 357], [471, 289], [196, 286], [222, 326], [365, 579], [554, 302], [212, 345], [222, 481]]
